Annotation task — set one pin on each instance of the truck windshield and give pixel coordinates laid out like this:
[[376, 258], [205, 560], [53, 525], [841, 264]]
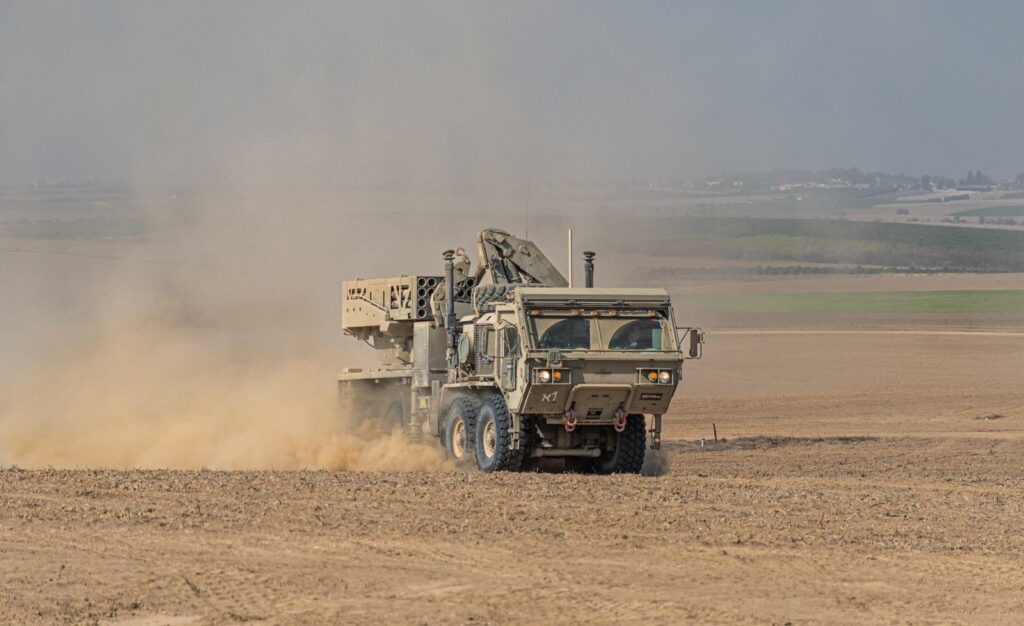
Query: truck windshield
[[600, 333], [571, 333]]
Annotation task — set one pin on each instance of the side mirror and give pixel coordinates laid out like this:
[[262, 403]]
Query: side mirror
[[694, 338]]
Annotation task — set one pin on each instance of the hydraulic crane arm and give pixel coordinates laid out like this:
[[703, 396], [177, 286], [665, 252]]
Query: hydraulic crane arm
[[510, 259]]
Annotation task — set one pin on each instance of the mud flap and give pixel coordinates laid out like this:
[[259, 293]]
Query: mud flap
[[655, 432], [514, 430]]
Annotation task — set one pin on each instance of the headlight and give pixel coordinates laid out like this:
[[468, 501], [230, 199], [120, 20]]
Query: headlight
[[665, 377], [543, 376], [652, 376], [556, 375]]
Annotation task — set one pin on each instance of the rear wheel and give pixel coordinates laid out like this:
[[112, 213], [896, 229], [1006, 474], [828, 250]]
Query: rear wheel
[[494, 451], [458, 429], [628, 455]]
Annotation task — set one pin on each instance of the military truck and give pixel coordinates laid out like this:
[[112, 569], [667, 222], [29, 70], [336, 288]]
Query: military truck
[[508, 364]]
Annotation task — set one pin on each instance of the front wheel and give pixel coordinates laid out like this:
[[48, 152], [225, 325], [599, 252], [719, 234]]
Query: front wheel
[[630, 445], [494, 451]]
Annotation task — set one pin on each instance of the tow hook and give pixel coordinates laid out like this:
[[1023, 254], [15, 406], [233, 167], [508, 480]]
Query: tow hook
[[620, 420], [570, 420]]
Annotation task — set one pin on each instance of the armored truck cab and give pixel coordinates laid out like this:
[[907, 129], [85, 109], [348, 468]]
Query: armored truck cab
[[515, 371]]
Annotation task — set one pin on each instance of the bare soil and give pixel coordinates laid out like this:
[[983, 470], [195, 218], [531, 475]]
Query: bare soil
[[858, 478]]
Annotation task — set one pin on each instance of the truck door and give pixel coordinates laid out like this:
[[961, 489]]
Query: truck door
[[508, 350]]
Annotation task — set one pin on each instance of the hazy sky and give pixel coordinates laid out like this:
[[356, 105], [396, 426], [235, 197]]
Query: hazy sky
[[181, 92]]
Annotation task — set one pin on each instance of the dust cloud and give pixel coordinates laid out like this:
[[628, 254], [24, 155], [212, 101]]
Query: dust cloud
[[262, 149], [272, 154], [153, 395], [220, 353], [656, 463]]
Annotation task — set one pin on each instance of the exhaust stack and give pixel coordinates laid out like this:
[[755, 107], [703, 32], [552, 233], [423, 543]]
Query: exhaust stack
[[588, 267], [449, 319]]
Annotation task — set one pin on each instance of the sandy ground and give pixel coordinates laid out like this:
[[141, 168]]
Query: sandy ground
[[859, 478], [868, 470]]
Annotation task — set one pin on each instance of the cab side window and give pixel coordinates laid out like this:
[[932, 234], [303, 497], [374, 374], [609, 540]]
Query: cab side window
[[511, 339]]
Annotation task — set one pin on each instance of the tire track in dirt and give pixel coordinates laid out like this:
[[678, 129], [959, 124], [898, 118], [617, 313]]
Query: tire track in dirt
[[810, 530]]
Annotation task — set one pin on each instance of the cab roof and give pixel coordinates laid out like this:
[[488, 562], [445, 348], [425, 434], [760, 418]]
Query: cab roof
[[609, 296]]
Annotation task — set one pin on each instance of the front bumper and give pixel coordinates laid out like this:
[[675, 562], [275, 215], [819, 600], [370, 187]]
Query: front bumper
[[596, 403]]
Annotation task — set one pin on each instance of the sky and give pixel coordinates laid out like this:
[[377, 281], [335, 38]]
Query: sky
[[348, 93]]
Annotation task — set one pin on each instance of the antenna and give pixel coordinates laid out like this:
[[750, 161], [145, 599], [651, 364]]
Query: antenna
[[570, 257], [526, 218]]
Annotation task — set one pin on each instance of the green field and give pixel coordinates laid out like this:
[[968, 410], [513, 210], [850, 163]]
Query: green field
[[993, 211], [915, 302], [830, 241]]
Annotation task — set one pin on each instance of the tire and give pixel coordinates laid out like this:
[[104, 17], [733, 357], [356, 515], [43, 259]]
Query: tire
[[494, 451], [458, 430], [630, 446]]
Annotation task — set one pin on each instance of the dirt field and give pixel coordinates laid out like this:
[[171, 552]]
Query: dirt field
[[868, 470], [864, 478]]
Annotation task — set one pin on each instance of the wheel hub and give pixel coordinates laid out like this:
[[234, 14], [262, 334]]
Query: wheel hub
[[490, 439], [459, 439]]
